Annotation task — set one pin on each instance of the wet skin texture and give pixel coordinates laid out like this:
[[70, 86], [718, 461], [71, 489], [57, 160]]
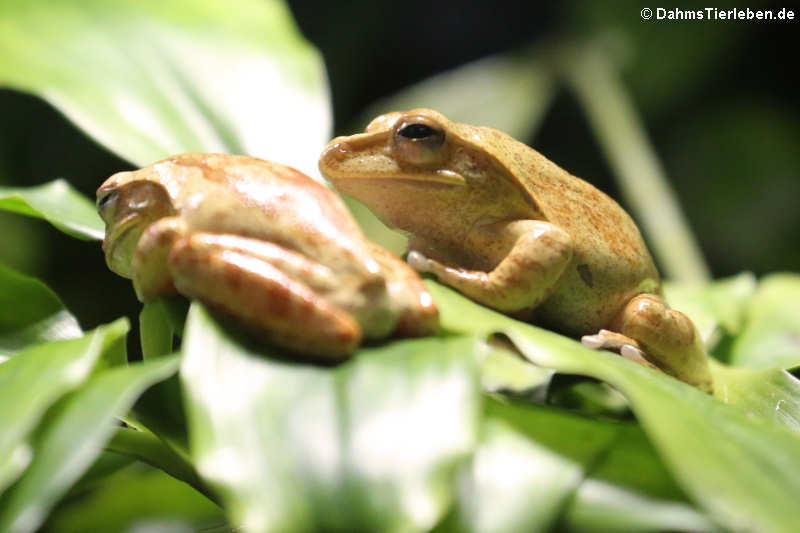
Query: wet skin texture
[[507, 227], [266, 245]]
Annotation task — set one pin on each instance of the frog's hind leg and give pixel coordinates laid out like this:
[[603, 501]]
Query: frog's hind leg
[[256, 291], [648, 331]]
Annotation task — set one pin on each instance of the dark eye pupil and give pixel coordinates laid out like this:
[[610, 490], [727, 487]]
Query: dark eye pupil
[[417, 131], [105, 199]]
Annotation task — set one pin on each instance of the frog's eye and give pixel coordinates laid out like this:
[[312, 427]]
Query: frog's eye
[[106, 200], [418, 141], [418, 131]]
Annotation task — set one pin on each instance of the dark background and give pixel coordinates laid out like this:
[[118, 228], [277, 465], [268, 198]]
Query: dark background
[[718, 99]]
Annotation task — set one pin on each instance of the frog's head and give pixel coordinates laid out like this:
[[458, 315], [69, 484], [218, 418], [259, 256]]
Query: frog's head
[[129, 202], [420, 172]]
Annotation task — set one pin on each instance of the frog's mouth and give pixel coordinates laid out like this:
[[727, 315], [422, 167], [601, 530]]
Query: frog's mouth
[[120, 244], [340, 162]]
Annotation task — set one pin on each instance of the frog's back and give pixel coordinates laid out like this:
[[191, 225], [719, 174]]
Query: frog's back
[[610, 263], [261, 199]]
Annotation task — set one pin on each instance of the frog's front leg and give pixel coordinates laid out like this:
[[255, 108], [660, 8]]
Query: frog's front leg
[[664, 337], [418, 315], [254, 281], [533, 253], [151, 277]]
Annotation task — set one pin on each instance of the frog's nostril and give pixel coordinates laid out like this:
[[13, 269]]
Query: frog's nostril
[[339, 151]]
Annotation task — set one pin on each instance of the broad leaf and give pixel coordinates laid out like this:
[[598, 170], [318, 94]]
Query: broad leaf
[[149, 78], [515, 484], [32, 380], [599, 507], [770, 394], [30, 313], [369, 446], [745, 471], [504, 371], [57, 202], [73, 437], [534, 462], [771, 336]]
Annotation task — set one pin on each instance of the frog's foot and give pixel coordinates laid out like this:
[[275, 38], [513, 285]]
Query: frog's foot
[[616, 342], [252, 288], [418, 313], [667, 337]]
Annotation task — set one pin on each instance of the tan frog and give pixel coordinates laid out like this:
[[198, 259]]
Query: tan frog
[[265, 244], [501, 223]]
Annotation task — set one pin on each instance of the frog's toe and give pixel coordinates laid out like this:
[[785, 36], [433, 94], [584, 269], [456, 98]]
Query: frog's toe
[[616, 342], [418, 262], [594, 342], [607, 340], [633, 353]]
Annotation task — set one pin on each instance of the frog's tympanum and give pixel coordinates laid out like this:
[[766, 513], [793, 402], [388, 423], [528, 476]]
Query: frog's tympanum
[[508, 228], [264, 244]]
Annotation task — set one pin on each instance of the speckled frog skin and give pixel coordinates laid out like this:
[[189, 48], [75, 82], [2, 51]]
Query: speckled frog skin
[[507, 227], [263, 243]]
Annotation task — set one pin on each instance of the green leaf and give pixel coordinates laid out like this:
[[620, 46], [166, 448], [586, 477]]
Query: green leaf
[[371, 445], [73, 437], [30, 313], [771, 336], [533, 462], [155, 330], [504, 371], [514, 484], [160, 410], [769, 394], [743, 470], [32, 380], [139, 499], [145, 446], [599, 507], [715, 308], [57, 202], [149, 78], [106, 465]]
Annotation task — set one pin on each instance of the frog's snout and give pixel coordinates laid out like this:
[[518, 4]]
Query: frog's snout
[[337, 151]]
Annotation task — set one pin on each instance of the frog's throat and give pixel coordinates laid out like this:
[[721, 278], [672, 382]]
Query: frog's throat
[[120, 244]]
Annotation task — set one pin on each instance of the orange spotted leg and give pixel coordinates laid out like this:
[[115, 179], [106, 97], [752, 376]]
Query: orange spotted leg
[[258, 283]]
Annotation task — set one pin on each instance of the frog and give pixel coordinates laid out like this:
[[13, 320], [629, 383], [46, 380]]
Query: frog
[[264, 245], [499, 222]]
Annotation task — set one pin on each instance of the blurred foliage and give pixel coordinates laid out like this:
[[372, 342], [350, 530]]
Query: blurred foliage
[[494, 425]]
